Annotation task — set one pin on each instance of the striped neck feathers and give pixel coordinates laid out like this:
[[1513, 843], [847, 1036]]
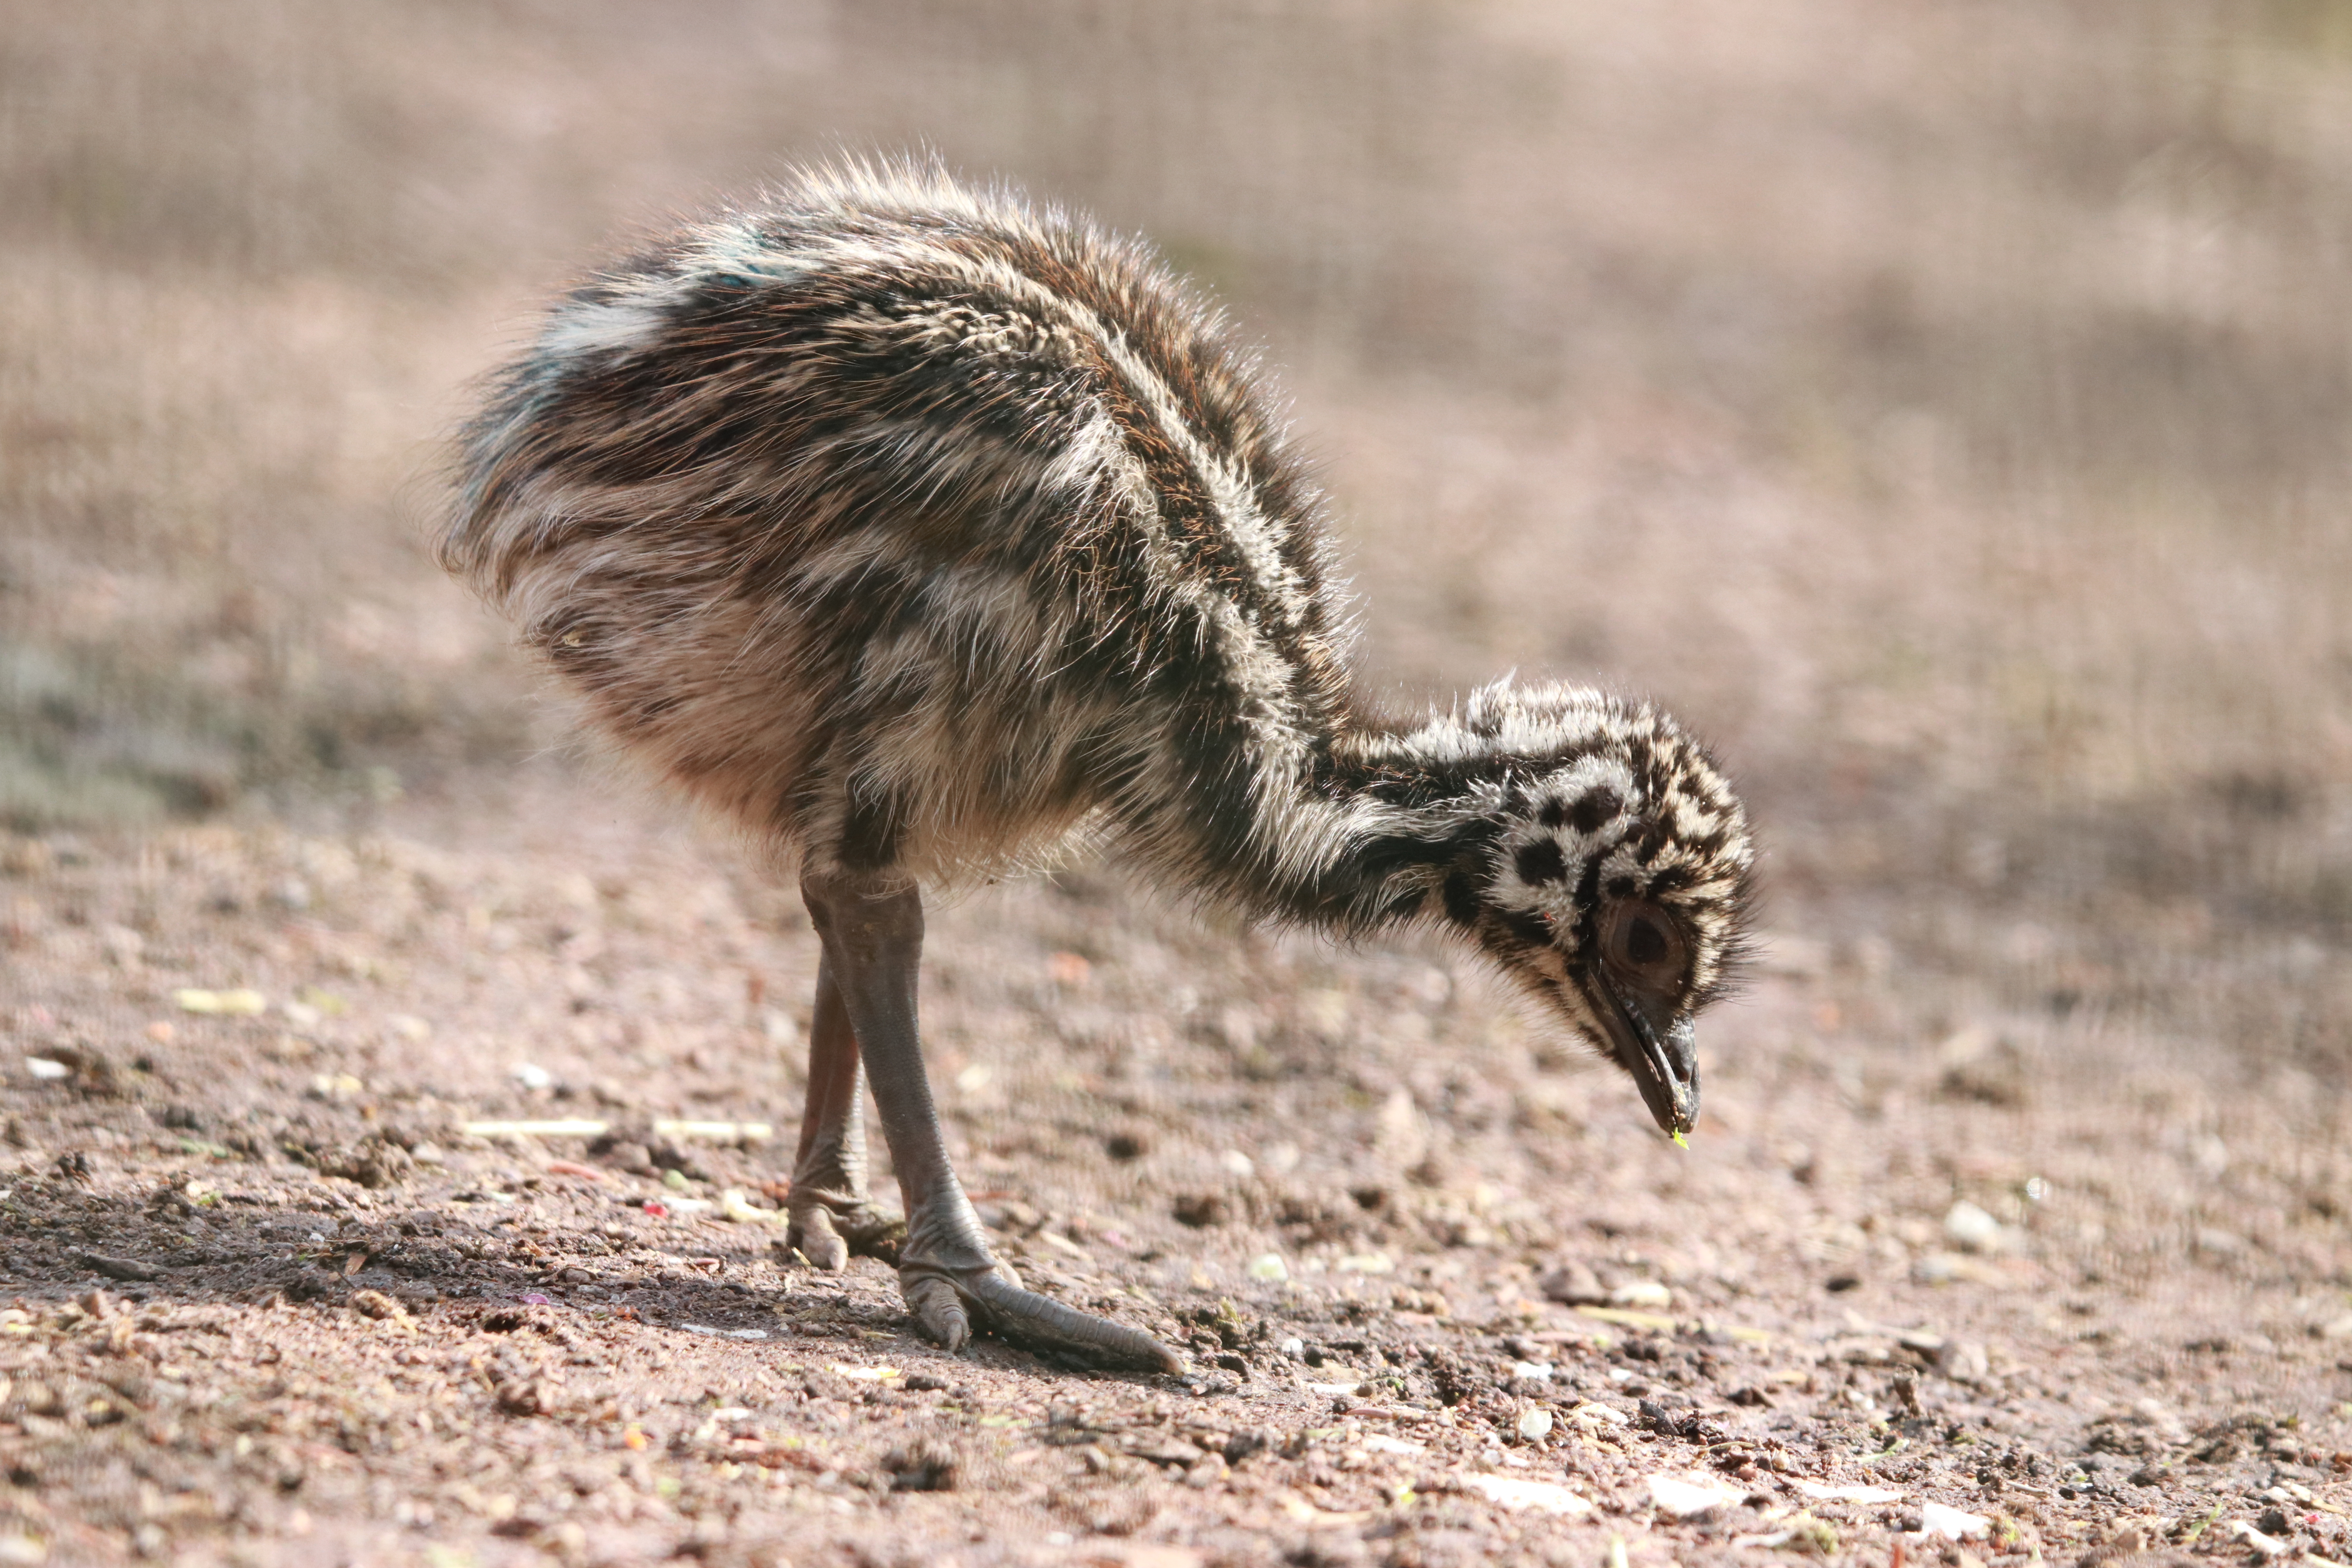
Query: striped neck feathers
[[1521, 820]]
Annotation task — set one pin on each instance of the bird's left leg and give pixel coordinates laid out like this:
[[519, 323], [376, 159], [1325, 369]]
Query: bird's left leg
[[873, 936], [832, 1216]]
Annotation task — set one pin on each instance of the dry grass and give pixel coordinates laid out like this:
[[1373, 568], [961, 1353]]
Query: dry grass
[[1943, 404]]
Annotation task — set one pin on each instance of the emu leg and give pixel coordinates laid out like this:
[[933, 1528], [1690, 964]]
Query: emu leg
[[833, 1215], [873, 941]]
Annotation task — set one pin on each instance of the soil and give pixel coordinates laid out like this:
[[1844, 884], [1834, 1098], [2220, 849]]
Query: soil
[[1445, 1296]]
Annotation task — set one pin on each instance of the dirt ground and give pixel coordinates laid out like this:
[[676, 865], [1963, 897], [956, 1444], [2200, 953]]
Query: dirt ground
[[1939, 406], [1446, 1297]]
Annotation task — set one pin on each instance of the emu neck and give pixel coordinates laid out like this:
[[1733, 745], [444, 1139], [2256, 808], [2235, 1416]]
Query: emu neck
[[1365, 833]]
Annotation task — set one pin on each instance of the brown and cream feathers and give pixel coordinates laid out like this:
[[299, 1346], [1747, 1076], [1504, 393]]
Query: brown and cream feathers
[[916, 528]]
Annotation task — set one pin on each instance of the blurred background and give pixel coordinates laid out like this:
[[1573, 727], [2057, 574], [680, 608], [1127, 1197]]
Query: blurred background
[[1942, 404]]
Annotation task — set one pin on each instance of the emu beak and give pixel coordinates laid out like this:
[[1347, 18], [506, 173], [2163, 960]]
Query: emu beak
[[1665, 1068]]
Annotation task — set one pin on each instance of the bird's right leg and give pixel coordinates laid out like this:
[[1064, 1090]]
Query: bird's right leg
[[832, 1213]]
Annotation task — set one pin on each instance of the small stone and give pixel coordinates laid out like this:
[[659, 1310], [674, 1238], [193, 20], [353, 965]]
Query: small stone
[[1971, 1228], [530, 1075], [1952, 1523], [231, 1004], [1978, 1065], [1642, 1293], [1679, 1497], [1268, 1265], [1535, 1425], [2337, 1328], [1545, 1497], [1200, 1210], [1575, 1285], [2247, 1535], [1965, 1360]]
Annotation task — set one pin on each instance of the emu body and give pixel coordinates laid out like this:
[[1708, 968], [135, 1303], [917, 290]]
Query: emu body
[[916, 530]]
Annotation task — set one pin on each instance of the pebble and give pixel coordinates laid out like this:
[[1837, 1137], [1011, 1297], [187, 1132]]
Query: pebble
[[235, 1004], [2247, 1535], [1269, 1266], [1690, 1499], [1642, 1293], [1965, 1360], [1971, 1227], [1574, 1285], [1952, 1523], [1546, 1497], [1535, 1425]]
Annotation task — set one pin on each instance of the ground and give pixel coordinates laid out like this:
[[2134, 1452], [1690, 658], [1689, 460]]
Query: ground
[[1939, 406], [1446, 1296]]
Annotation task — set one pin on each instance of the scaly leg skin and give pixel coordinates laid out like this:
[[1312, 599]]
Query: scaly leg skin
[[832, 1215], [873, 937]]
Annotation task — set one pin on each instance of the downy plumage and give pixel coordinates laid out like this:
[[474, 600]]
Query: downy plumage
[[917, 530]]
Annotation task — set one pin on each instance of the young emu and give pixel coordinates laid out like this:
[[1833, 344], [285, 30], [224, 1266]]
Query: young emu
[[913, 528]]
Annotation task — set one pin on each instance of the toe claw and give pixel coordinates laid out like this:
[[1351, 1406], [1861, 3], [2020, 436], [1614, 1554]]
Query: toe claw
[[823, 1250], [813, 1234], [830, 1228], [940, 1312]]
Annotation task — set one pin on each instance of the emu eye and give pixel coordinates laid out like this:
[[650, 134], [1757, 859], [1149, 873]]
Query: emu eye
[[1644, 945]]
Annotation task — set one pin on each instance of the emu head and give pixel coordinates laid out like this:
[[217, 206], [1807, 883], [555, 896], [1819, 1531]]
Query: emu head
[[1617, 885]]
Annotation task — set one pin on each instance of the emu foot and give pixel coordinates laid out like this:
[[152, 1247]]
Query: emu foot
[[950, 1303], [828, 1228]]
